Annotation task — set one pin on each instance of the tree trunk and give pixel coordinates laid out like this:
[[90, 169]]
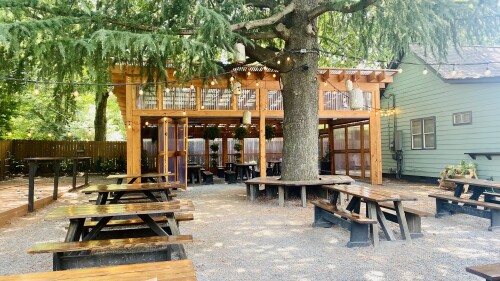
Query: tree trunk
[[100, 120], [300, 98]]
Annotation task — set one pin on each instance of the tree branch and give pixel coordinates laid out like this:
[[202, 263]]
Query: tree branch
[[264, 56], [341, 6], [263, 22], [261, 4]]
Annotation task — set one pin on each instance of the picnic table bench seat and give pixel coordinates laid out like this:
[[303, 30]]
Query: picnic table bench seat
[[130, 222], [230, 176], [159, 271], [325, 216], [490, 272], [491, 211], [492, 197], [145, 249], [131, 198], [208, 177]]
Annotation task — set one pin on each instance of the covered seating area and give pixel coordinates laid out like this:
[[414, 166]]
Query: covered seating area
[[174, 114]]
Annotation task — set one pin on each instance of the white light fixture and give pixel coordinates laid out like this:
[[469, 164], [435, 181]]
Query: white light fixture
[[278, 62], [141, 91], [184, 112], [202, 107], [249, 73], [231, 79], [110, 93], [49, 135], [75, 93], [400, 70], [274, 75], [487, 71], [147, 123], [212, 82], [356, 99], [247, 117], [239, 55], [453, 72], [192, 87], [257, 84], [425, 71], [236, 87], [288, 58], [69, 134]]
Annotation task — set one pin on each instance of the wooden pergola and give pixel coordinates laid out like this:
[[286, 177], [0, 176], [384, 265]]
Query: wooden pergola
[[196, 104]]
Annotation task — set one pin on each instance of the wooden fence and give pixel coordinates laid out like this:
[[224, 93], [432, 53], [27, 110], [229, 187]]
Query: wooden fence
[[98, 150]]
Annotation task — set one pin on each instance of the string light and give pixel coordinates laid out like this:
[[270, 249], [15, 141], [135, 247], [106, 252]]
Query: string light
[[487, 71], [288, 58], [9, 134], [249, 73], [75, 93], [278, 62], [453, 72], [191, 87], [129, 125], [69, 134], [147, 123], [425, 71], [264, 68], [325, 83], [202, 107], [257, 83], [111, 91], [400, 70], [141, 91], [274, 75], [49, 135], [231, 79], [212, 82], [184, 112], [29, 134]]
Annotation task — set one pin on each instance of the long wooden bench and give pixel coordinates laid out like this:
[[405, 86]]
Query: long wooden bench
[[491, 197], [62, 261], [326, 215], [491, 211], [413, 218], [208, 177], [160, 271], [131, 198], [490, 272]]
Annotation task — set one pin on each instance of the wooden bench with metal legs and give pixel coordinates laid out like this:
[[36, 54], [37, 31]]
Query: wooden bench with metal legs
[[326, 215], [413, 218]]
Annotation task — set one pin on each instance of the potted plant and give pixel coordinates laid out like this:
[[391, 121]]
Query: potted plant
[[240, 133], [237, 156], [211, 133], [214, 156], [270, 133]]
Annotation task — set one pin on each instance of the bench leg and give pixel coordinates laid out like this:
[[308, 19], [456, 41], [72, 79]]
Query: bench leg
[[441, 209], [281, 196], [303, 196], [495, 220], [371, 209], [253, 192], [318, 218], [359, 235], [414, 225], [403, 225]]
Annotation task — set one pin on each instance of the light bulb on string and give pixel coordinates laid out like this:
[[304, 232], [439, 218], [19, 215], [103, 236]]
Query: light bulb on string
[[191, 87], [9, 134], [49, 135], [487, 71], [288, 58], [231, 79], [129, 125], [425, 71], [141, 91], [202, 107], [212, 82], [453, 72], [110, 93], [184, 112], [147, 123], [264, 68], [257, 83], [69, 134], [325, 83], [274, 75], [75, 93], [400, 70], [278, 62], [249, 73]]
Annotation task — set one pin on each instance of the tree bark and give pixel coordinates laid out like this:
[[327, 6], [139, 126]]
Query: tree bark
[[100, 120], [300, 98]]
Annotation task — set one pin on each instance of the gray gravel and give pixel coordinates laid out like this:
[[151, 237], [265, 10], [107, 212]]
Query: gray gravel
[[240, 240]]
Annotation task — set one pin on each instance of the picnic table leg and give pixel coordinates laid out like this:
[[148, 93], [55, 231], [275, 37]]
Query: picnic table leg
[[303, 196], [87, 170], [372, 214], [459, 189], [477, 192], [151, 196], [403, 225], [56, 180], [115, 199], [158, 230], [281, 196], [74, 230], [495, 220], [335, 198], [253, 191], [98, 227], [31, 185], [75, 169], [101, 198], [384, 224], [354, 205]]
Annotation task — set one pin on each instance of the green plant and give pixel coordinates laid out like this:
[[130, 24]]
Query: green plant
[[463, 168], [237, 147], [270, 133], [214, 147], [240, 133], [211, 133]]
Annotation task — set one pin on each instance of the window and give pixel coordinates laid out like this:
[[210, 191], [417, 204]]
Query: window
[[462, 118], [423, 133]]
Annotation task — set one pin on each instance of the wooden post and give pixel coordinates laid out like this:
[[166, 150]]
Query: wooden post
[[362, 147], [375, 142], [330, 147], [224, 150], [242, 151], [207, 155], [134, 132], [262, 132], [198, 98]]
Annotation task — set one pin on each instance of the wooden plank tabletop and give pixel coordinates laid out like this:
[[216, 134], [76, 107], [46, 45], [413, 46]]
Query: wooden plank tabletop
[[375, 194], [488, 271], [154, 186], [44, 158], [95, 211], [80, 158], [476, 182], [323, 179], [147, 175], [162, 271]]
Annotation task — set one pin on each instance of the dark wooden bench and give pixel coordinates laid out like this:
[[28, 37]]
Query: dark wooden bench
[[488, 271], [160, 271], [132, 198], [491, 197], [220, 171], [85, 259], [413, 218], [208, 177], [230, 176], [326, 215], [131, 222], [491, 211]]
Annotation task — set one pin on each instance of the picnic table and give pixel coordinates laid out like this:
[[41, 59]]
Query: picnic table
[[77, 240], [247, 169], [159, 271], [152, 177], [491, 272], [252, 186], [275, 166], [33, 166], [373, 197], [194, 170], [118, 190], [446, 204], [76, 160]]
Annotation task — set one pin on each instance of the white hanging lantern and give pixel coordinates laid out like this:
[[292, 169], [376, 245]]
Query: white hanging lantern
[[239, 53], [247, 117], [348, 85], [236, 88], [356, 99]]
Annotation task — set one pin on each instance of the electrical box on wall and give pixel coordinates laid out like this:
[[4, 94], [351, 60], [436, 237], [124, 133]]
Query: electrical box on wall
[[398, 140]]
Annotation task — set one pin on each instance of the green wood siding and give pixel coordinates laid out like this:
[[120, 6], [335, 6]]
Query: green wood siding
[[419, 96]]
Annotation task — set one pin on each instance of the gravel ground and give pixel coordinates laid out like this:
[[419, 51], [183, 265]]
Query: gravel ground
[[240, 240]]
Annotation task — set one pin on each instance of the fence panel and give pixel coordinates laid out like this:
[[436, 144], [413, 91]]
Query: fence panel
[[5, 149]]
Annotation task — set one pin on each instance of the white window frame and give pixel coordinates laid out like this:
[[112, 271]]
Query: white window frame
[[422, 133], [455, 115]]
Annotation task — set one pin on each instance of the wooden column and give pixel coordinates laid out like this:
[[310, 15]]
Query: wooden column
[[198, 98], [242, 150], [362, 146], [262, 132], [375, 142], [224, 151], [133, 133], [330, 147], [207, 154]]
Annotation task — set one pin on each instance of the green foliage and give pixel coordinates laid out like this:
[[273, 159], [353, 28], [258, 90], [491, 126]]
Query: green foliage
[[214, 147], [214, 156], [211, 133], [270, 132], [462, 169], [240, 133], [237, 147]]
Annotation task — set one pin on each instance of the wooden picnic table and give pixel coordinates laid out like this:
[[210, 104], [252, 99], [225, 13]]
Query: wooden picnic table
[[76, 160], [275, 166], [269, 182], [160, 271], [77, 215], [491, 272], [244, 168], [194, 170], [119, 190], [477, 185], [152, 177], [373, 196], [33, 166]]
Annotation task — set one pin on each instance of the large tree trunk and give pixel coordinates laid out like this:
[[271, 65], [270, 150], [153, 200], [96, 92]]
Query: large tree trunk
[[100, 120], [300, 99]]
